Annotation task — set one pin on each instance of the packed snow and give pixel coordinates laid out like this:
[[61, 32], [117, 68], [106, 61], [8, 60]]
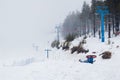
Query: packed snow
[[62, 65]]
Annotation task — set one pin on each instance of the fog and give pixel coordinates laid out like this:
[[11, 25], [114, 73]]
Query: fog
[[27, 22]]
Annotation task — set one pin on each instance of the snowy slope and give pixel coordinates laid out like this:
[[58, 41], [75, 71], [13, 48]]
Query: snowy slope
[[61, 65]]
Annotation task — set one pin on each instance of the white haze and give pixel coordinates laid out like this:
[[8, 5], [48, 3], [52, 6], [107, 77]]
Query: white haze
[[24, 23]]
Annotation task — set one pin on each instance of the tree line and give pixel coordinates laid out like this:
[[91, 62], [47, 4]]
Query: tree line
[[87, 21]]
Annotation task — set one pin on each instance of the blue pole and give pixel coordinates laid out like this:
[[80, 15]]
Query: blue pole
[[102, 14], [47, 52], [102, 27]]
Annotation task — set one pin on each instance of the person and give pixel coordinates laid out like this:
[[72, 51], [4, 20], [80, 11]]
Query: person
[[90, 59]]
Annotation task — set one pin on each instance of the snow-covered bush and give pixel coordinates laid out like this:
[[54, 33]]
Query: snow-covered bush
[[66, 45], [85, 37], [83, 41], [78, 49], [55, 43]]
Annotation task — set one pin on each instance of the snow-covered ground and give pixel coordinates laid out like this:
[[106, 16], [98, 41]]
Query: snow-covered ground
[[62, 65]]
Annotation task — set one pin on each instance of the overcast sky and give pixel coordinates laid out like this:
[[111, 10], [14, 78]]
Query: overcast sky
[[23, 22]]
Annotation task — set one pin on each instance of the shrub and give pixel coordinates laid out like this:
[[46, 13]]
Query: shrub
[[66, 45], [73, 49], [82, 50], [83, 41], [78, 49], [106, 55], [85, 37], [55, 43]]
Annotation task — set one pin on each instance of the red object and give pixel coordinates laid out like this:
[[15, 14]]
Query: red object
[[93, 56]]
